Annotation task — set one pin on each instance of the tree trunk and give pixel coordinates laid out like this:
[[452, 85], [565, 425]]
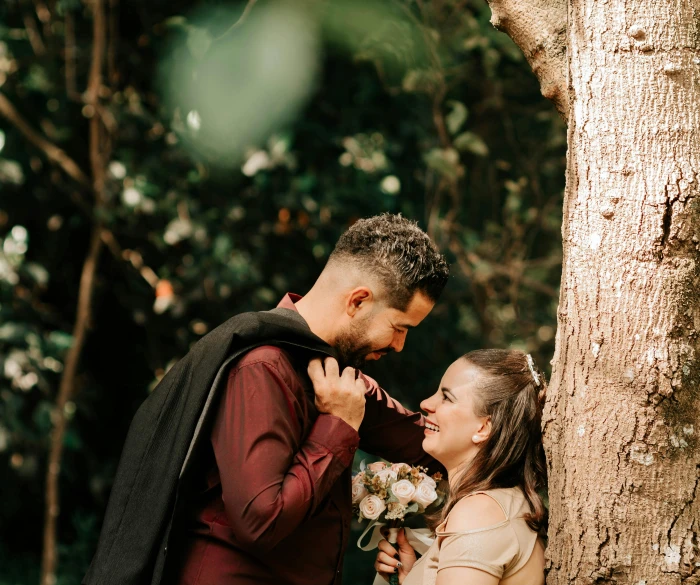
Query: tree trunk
[[623, 415]]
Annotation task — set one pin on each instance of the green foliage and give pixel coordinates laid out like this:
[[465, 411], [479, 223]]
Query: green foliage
[[230, 178]]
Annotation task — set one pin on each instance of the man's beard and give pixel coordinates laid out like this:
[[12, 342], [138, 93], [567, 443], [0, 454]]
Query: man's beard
[[352, 347], [351, 351]]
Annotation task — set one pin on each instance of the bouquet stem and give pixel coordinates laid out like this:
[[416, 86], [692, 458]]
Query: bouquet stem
[[392, 537]]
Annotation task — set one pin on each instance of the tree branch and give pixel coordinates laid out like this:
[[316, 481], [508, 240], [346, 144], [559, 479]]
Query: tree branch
[[67, 387], [69, 56], [71, 168], [52, 152], [538, 27], [65, 393], [244, 15]]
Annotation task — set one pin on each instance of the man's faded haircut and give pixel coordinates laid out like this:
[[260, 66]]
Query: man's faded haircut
[[397, 252]]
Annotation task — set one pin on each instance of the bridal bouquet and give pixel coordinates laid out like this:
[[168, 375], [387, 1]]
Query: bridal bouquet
[[385, 494]]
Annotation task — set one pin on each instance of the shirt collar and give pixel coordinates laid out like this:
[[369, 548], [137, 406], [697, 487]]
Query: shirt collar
[[288, 301]]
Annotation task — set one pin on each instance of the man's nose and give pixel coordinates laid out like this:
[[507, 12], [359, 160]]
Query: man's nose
[[398, 342]]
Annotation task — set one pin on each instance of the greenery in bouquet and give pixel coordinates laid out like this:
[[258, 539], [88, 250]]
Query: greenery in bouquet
[[388, 493]]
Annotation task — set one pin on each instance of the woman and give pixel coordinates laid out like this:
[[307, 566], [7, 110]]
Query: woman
[[483, 425]]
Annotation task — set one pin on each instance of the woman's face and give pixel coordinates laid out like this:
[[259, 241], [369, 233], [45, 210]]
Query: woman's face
[[453, 430]]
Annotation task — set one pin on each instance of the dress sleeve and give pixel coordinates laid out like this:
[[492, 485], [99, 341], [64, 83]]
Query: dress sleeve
[[491, 550]]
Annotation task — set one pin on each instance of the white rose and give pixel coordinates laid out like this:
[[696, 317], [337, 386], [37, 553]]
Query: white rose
[[425, 478], [359, 478], [387, 475], [425, 494], [359, 491], [371, 507], [403, 490]]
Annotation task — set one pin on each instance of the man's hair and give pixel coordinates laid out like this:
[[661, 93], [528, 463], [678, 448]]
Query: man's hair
[[397, 252]]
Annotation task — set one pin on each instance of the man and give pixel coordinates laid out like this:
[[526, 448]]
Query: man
[[267, 497]]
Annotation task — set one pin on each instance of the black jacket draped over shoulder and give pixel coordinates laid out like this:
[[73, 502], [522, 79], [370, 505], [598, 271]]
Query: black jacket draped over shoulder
[[160, 452]]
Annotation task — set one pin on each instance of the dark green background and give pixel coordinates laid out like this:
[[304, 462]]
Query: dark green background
[[495, 205]]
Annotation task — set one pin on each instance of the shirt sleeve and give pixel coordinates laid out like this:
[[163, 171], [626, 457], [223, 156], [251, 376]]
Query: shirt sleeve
[[391, 431], [489, 550], [272, 476]]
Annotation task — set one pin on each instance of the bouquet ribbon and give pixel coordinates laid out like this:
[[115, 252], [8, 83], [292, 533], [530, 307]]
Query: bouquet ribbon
[[419, 538]]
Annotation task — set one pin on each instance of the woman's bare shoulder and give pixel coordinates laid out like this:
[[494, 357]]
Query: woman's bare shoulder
[[473, 513]]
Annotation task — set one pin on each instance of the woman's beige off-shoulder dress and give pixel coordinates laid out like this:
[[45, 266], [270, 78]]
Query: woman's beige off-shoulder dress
[[501, 549]]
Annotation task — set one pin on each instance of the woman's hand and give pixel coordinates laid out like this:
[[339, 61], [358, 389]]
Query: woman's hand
[[389, 560]]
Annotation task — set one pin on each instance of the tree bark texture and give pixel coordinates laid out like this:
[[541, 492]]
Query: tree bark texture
[[538, 27], [622, 421]]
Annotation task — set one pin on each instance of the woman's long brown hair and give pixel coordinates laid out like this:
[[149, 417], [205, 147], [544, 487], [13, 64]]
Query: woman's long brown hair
[[513, 455]]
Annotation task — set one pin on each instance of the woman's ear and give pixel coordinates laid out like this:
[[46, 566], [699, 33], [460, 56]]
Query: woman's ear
[[483, 432]]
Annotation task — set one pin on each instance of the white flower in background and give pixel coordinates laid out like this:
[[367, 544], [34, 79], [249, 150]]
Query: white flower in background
[[117, 170], [131, 197], [28, 381], [147, 206], [7, 273], [177, 230], [359, 493], [256, 162], [390, 185], [371, 507], [12, 368], [19, 233], [194, 120], [425, 494], [404, 490], [11, 172]]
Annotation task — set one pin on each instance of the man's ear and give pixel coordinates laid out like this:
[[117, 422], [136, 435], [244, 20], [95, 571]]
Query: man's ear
[[358, 299], [483, 432]]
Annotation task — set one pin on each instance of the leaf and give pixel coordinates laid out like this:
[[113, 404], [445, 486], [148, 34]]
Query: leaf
[[11, 172], [176, 22], [470, 142], [72, 440], [13, 332], [198, 41], [445, 161], [457, 117], [60, 340], [38, 273]]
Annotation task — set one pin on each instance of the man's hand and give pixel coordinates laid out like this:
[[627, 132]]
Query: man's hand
[[340, 395]]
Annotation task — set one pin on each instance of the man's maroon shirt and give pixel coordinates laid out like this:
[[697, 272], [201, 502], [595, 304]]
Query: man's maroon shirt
[[276, 505]]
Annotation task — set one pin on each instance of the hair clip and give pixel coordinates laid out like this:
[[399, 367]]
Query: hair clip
[[531, 365]]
